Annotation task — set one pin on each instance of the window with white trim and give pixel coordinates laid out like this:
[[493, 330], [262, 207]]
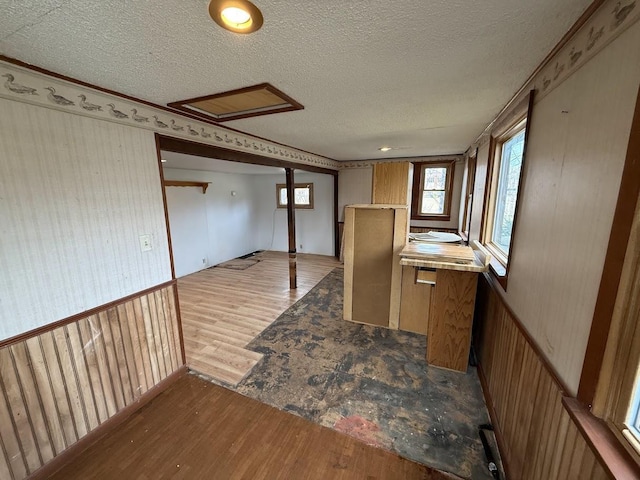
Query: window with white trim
[[506, 173]]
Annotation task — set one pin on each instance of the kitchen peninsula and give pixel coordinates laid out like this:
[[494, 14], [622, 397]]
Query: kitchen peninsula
[[427, 288]]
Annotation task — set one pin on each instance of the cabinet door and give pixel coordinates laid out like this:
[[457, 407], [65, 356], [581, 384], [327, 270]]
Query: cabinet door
[[415, 303], [372, 265], [451, 319]]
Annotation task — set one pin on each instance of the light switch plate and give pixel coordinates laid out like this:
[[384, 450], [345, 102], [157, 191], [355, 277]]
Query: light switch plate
[[145, 242]]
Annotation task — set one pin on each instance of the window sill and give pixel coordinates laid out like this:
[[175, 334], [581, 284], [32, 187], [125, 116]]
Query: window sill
[[499, 271], [611, 454], [432, 218]]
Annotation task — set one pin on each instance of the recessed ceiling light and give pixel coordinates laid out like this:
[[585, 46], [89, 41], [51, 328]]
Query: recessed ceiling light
[[239, 16], [384, 149]]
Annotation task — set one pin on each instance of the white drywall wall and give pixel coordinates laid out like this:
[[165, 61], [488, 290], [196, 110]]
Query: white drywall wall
[[216, 226], [314, 227]]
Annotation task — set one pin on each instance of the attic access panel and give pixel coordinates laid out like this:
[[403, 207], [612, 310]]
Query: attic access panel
[[261, 99]]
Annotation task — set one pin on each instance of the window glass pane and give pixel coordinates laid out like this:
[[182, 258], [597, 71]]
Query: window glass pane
[[302, 196], [432, 202], [283, 196], [435, 178], [507, 192]]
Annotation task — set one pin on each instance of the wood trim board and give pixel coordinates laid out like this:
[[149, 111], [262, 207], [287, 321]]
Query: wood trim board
[[289, 104], [611, 454], [179, 145], [73, 318]]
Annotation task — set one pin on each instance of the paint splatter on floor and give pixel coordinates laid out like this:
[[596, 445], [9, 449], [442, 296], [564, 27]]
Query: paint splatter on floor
[[364, 430], [369, 382]]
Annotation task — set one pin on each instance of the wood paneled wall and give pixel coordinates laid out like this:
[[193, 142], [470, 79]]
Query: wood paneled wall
[[576, 153], [537, 437], [60, 385]]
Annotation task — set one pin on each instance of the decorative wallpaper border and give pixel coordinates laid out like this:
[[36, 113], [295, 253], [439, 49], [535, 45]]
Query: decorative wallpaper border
[[604, 26], [369, 163], [28, 86]]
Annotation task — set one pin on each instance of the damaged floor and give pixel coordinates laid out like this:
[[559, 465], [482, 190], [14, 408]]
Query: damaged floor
[[369, 382]]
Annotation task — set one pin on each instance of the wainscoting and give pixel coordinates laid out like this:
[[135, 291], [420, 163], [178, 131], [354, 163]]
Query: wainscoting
[[537, 437], [58, 385]]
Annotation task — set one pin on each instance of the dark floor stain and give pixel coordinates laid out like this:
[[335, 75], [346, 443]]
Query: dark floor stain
[[369, 382]]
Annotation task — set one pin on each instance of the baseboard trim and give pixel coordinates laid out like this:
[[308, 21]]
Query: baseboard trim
[[494, 422], [75, 450]]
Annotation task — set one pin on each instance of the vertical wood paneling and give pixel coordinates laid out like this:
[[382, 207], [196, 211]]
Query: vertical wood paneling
[[60, 395], [92, 360], [539, 438], [57, 387], [46, 392]]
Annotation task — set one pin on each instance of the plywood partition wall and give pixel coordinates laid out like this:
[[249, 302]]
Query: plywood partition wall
[[391, 183], [58, 386], [537, 437], [374, 235]]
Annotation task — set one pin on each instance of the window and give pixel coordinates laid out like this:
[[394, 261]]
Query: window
[[432, 188], [465, 226], [303, 193], [506, 170]]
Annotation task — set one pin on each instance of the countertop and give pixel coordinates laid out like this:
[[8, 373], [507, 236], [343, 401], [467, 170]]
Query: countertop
[[441, 256]]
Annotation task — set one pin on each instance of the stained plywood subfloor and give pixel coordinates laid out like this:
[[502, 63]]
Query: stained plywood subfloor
[[223, 310], [200, 430]]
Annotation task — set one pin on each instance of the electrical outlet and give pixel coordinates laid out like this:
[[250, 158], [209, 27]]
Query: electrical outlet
[[145, 243], [300, 246], [204, 261]]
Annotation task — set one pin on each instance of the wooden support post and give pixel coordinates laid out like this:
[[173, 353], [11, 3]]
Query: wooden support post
[[336, 218], [291, 222]]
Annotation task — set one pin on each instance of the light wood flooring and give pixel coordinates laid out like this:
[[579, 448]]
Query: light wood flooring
[[223, 310], [197, 430]]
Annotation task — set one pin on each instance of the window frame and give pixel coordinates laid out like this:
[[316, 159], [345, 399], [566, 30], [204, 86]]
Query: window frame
[[465, 225], [520, 115], [493, 177], [416, 191], [283, 186]]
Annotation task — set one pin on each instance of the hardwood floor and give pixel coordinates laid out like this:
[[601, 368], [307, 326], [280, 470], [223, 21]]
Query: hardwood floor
[[222, 309], [200, 430]]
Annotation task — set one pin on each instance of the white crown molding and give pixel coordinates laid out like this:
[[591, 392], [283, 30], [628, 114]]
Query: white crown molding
[[28, 86]]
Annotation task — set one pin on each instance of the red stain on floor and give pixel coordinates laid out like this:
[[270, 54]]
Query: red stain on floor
[[364, 430]]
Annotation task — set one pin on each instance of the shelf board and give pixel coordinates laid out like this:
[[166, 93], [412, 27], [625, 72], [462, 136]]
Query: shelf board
[[180, 183]]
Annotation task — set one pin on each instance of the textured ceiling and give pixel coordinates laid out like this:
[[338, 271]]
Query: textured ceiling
[[423, 76]]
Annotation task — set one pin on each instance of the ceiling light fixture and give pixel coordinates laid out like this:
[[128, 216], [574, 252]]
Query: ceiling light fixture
[[384, 149], [238, 16]]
